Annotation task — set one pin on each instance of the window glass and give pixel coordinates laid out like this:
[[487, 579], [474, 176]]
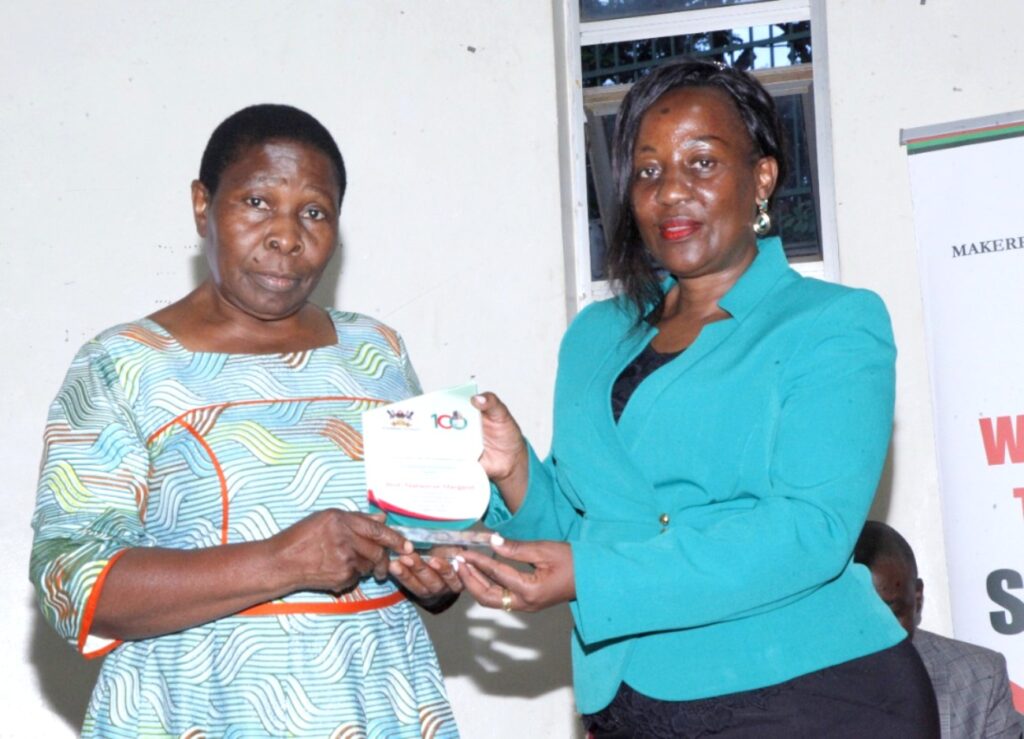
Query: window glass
[[599, 10], [795, 211], [759, 47]]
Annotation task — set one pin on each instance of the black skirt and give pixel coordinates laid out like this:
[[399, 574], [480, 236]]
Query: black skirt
[[883, 695]]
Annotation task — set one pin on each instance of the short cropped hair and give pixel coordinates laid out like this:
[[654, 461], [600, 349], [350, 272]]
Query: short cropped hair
[[880, 541], [628, 263], [257, 125]]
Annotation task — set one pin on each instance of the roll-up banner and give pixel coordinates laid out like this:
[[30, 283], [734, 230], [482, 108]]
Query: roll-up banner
[[967, 181]]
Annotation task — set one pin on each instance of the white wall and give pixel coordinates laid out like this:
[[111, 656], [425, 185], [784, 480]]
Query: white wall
[[900, 65], [446, 114], [452, 234]]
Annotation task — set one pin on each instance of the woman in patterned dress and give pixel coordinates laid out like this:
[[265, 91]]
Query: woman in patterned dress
[[201, 514]]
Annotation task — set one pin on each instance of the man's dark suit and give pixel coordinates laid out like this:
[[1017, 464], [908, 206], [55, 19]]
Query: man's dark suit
[[972, 687]]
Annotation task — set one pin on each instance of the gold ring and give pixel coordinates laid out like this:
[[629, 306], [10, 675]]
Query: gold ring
[[506, 600]]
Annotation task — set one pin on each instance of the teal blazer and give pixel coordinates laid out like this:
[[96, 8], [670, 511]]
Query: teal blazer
[[712, 526]]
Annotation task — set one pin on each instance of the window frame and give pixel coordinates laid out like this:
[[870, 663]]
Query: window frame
[[580, 288]]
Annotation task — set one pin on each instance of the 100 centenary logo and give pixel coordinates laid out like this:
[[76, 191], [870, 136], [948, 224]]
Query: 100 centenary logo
[[453, 421]]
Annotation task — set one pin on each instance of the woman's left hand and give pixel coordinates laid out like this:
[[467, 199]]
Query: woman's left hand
[[497, 585], [429, 576]]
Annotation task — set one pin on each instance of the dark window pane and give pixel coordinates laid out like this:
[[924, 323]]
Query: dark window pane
[[596, 229], [602, 10], [760, 47], [795, 213]]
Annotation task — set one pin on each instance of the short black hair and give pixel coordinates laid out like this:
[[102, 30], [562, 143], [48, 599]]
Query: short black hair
[[880, 541], [627, 259], [258, 124]]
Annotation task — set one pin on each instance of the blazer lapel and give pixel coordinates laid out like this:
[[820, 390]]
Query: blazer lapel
[[646, 396], [585, 432], [753, 286]]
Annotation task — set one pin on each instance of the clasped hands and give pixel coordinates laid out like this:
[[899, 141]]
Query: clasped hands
[[337, 548], [334, 549]]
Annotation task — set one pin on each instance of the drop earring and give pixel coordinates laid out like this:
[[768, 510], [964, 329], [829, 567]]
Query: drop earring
[[763, 221]]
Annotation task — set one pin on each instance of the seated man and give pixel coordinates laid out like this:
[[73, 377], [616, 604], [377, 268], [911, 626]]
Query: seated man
[[971, 683]]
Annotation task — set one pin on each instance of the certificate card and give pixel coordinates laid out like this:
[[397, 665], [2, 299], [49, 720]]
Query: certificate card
[[421, 457]]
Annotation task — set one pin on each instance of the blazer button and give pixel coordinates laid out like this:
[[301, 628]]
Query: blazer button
[[663, 519]]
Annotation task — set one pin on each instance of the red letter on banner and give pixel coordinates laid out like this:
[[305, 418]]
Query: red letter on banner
[[1002, 439]]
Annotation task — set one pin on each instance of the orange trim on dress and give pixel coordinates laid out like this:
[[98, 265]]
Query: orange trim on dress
[[262, 401], [180, 420], [279, 608], [220, 477], [90, 612]]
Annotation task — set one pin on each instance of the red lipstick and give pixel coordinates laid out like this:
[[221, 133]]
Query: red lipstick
[[676, 229]]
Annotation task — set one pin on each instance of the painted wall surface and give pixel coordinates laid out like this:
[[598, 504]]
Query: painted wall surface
[[446, 115], [892, 66]]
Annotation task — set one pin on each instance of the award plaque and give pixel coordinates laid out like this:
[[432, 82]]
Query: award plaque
[[421, 456]]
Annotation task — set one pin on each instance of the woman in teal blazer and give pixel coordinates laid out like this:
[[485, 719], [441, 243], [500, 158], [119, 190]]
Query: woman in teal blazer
[[718, 436]]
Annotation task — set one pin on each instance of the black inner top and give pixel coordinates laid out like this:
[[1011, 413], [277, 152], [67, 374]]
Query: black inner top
[[636, 372]]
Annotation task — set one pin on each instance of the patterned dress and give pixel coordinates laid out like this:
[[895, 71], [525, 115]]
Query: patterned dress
[[149, 444]]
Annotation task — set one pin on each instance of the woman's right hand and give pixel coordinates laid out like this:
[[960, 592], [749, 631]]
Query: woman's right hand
[[549, 580], [332, 550], [505, 458]]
